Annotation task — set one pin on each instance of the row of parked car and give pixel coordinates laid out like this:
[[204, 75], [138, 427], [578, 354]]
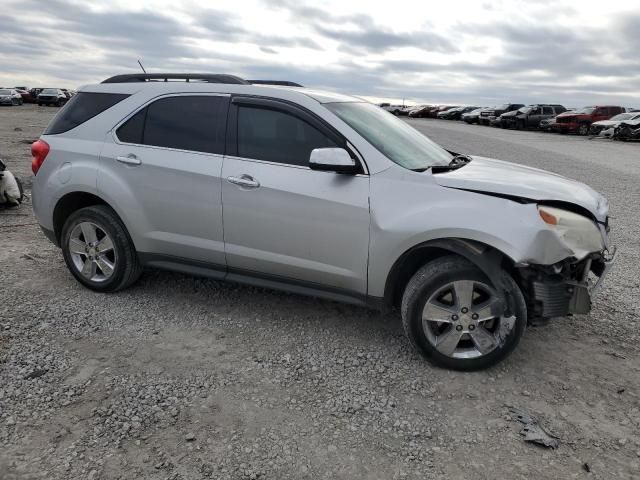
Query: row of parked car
[[607, 121], [41, 96]]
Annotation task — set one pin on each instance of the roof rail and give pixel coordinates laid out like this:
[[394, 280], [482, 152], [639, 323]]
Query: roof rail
[[284, 83], [165, 77]]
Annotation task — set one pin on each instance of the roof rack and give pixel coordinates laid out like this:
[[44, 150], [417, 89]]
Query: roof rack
[[165, 77], [284, 83]]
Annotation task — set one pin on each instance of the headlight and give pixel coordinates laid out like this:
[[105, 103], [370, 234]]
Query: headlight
[[579, 233]]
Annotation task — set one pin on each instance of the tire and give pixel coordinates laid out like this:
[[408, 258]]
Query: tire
[[436, 277], [583, 129], [123, 258], [39, 104]]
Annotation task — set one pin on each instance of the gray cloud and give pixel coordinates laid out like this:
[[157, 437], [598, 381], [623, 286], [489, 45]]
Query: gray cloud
[[539, 61]]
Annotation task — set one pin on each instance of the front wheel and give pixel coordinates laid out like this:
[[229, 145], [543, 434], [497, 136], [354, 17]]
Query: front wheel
[[583, 129], [455, 318], [98, 250]]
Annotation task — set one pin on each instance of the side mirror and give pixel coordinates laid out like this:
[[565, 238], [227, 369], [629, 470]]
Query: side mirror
[[332, 160]]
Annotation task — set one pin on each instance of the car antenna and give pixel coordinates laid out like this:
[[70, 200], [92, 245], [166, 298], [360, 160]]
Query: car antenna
[[140, 63]]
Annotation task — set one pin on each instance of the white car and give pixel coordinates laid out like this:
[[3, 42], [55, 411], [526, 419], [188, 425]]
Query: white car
[[605, 128]]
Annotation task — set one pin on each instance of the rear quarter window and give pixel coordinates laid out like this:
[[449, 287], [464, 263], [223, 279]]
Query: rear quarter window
[[80, 108]]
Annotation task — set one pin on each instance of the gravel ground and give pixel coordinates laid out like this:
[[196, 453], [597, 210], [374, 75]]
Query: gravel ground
[[185, 378]]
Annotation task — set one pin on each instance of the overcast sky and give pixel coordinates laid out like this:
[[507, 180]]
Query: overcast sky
[[474, 52]]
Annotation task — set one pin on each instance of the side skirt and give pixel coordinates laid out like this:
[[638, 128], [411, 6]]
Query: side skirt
[[258, 279]]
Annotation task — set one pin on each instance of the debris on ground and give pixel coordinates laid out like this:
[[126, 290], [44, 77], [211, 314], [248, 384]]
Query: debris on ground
[[11, 192], [533, 432]]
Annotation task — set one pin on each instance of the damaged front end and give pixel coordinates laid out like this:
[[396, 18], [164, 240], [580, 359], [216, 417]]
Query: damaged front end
[[566, 287]]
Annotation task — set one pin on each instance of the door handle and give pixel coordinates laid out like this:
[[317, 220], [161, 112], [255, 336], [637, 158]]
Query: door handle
[[130, 159], [246, 181]]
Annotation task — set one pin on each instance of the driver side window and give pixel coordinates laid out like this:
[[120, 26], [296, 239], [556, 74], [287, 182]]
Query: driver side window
[[275, 136]]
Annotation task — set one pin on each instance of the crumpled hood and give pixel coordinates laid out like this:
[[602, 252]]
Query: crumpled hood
[[607, 123], [496, 176]]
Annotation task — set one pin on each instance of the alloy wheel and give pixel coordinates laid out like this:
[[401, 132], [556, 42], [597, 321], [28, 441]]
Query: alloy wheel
[[92, 252], [464, 319]]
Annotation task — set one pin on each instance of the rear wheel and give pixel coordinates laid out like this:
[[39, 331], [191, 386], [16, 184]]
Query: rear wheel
[[98, 250], [455, 318]]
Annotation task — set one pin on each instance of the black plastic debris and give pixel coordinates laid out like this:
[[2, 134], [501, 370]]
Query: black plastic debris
[[532, 431], [35, 374]]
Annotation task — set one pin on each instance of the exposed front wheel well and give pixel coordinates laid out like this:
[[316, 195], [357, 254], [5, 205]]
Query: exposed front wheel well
[[70, 203], [415, 258]]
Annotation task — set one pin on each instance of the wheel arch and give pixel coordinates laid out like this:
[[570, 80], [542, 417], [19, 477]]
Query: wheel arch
[[487, 258], [71, 202]]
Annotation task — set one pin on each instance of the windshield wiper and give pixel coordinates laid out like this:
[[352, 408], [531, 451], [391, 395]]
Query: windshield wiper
[[458, 161]]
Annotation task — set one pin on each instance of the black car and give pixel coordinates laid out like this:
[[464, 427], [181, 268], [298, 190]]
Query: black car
[[531, 115], [52, 96], [455, 113], [489, 114], [505, 120]]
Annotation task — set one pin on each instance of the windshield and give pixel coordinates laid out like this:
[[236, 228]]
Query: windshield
[[586, 110], [400, 142], [524, 109], [5, 91], [49, 91]]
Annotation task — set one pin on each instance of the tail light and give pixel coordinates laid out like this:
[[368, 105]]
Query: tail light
[[39, 150]]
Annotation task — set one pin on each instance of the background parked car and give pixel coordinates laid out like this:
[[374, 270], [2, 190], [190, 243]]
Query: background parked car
[[506, 120], [628, 130], [26, 96], [421, 111], [531, 115], [444, 114], [395, 109], [9, 96], [487, 114], [52, 96], [579, 121], [472, 116], [433, 113], [545, 125], [606, 128], [455, 113]]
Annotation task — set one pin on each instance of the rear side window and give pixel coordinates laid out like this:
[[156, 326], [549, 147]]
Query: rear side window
[[80, 108], [196, 123], [277, 136]]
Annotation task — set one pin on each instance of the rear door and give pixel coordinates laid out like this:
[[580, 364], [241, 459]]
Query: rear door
[[282, 220], [162, 167], [534, 117]]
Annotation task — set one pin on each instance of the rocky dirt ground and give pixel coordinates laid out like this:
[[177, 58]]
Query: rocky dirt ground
[[185, 378]]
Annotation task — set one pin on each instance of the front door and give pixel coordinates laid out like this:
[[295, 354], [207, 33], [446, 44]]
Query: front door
[[283, 220]]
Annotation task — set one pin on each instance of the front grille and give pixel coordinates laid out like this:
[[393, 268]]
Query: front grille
[[565, 119]]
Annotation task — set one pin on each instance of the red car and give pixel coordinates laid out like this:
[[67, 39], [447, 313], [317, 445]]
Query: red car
[[579, 121], [26, 96]]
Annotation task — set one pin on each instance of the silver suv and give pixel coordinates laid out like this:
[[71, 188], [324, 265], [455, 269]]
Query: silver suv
[[319, 194]]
